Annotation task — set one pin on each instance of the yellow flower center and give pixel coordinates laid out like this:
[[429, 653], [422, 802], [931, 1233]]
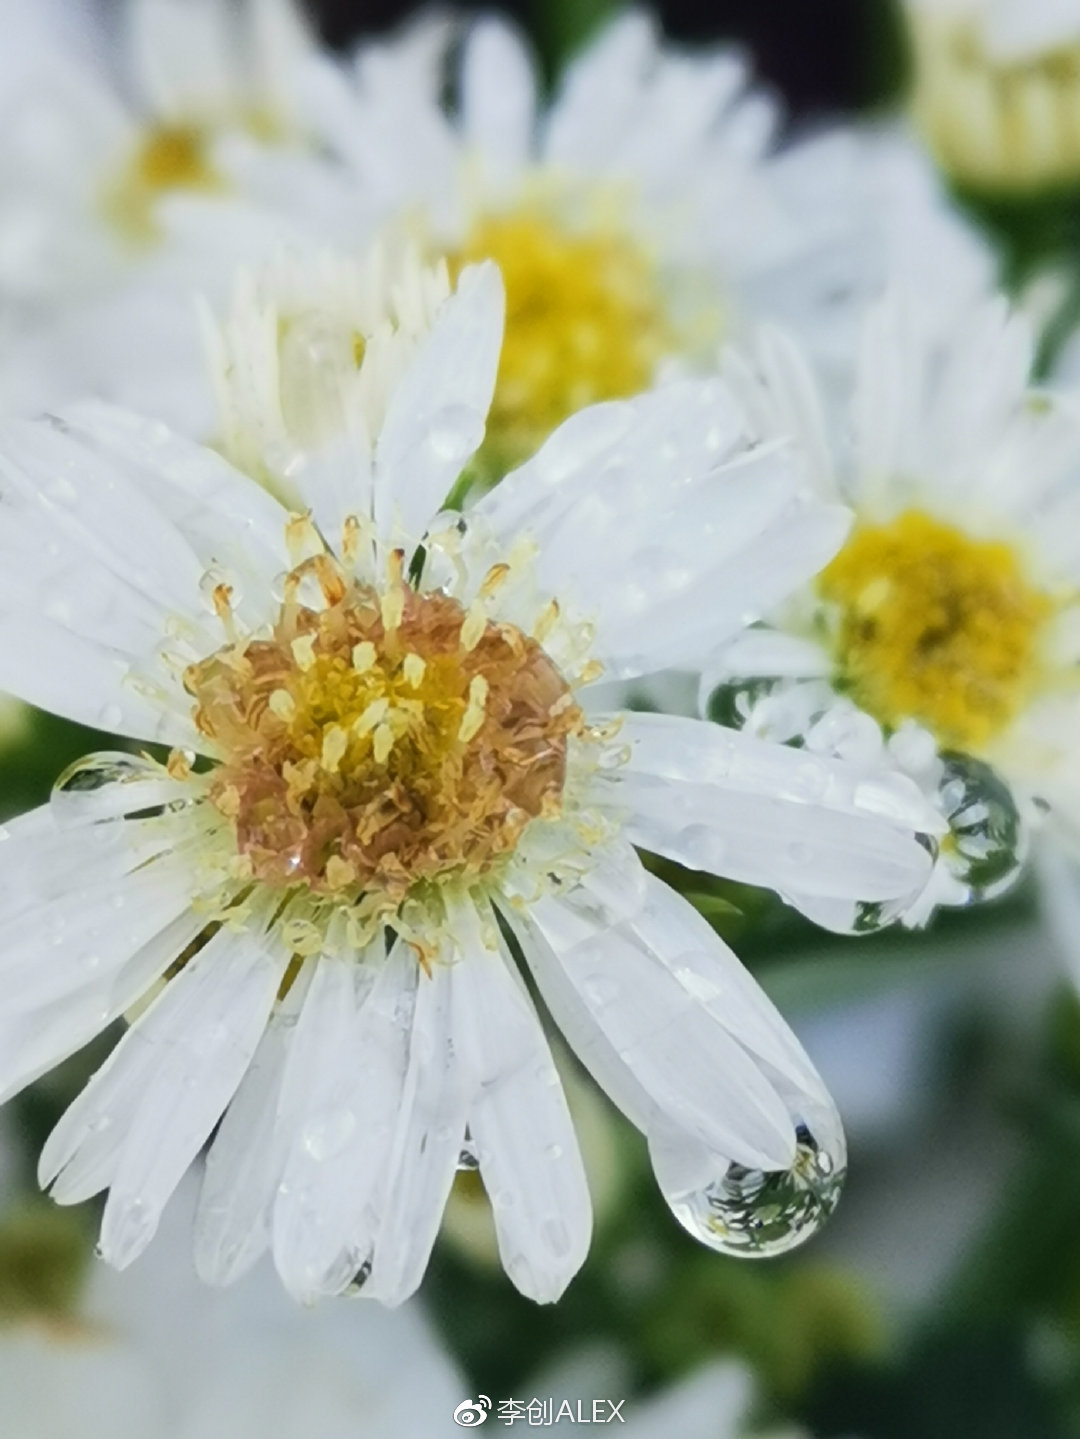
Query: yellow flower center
[[383, 740], [933, 625], [168, 157], [585, 322]]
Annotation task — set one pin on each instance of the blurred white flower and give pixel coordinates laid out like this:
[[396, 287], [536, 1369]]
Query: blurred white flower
[[89, 178], [950, 616], [641, 216], [393, 711], [997, 89], [159, 1356]]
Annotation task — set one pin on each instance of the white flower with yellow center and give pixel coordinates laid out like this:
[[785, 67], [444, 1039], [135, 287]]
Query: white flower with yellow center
[[950, 619], [640, 217], [997, 90], [388, 777], [88, 172]]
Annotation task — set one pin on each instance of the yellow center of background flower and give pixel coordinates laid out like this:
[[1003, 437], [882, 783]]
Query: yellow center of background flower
[[168, 158], [935, 626], [585, 322], [382, 740]]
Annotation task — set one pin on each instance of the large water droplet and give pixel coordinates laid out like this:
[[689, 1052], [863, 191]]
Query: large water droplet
[[77, 796], [757, 1214], [987, 843]]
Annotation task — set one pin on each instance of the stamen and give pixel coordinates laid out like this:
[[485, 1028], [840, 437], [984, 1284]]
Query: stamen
[[362, 760]]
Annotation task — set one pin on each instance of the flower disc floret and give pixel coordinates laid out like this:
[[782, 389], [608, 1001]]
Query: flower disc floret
[[383, 740], [934, 625], [585, 321]]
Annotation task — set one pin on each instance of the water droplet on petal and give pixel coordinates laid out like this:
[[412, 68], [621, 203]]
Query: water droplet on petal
[[360, 1278], [77, 794], [987, 843], [730, 703], [328, 1134], [468, 1159], [110, 717], [756, 1214], [455, 433]]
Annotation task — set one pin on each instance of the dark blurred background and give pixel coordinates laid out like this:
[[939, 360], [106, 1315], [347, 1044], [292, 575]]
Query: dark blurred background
[[813, 51]]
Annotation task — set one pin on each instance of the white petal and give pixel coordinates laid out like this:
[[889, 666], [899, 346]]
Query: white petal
[[144, 1116], [182, 53], [519, 1123], [437, 416], [664, 570], [609, 986], [600, 93], [231, 522], [244, 1164], [62, 989], [427, 1142], [498, 98], [748, 809], [342, 1092]]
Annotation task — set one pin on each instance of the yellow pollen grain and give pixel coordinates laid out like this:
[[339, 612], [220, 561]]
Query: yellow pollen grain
[[494, 579], [178, 765], [472, 631], [303, 652], [373, 715], [302, 937], [335, 743], [228, 801], [301, 538], [339, 872], [392, 608], [283, 705], [363, 657], [546, 621], [413, 668], [382, 743], [930, 624], [473, 719]]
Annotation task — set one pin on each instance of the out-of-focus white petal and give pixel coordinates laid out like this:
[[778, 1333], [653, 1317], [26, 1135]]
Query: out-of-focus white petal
[[436, 418], [498, 99]]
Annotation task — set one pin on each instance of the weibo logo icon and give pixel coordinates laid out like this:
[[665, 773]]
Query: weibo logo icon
[[471, 1412]]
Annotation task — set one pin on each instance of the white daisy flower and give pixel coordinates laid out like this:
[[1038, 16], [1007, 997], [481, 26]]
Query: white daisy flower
[[997, 86], [950, 616], [388, 776], [89, 176], [638, 218]]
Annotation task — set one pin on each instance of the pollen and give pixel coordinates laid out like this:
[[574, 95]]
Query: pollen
[[361, 781], [168, 158], [585, 321], [931, 624]]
